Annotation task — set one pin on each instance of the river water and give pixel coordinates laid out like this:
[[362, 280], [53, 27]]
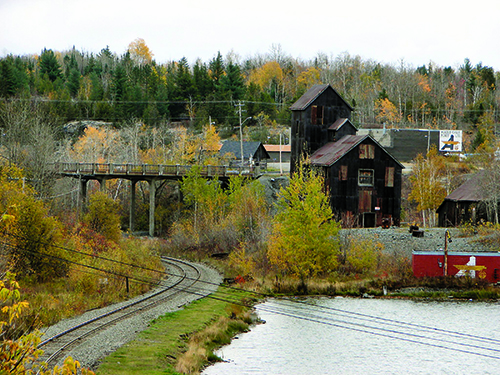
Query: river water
[[367, 336]]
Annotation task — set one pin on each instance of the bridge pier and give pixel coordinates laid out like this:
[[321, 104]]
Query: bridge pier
[[102, 184], [132, 206], [152, 193], [83, 191]]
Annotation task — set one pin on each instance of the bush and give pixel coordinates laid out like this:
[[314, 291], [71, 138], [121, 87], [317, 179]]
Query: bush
[[102, 216], [363, 256]]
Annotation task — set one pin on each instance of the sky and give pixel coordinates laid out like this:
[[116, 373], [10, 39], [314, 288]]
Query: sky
[[386, 31]]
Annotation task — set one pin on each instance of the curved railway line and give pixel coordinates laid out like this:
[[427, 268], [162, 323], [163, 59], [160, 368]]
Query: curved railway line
[[184, 280]]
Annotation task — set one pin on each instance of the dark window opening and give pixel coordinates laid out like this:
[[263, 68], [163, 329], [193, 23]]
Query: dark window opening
[[317, 114], [365, 177], [389, 177], [366, 151], [343, 173]]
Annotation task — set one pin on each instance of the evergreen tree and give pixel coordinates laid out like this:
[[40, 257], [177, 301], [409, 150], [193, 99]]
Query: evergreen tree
[[216, 67], [7, 79], [184, 80], [203, 84], [73, 82], [119, 88], [49, 65], [119, 83], [96, 90], [231, 84]]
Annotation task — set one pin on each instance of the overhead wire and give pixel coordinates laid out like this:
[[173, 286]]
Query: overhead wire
[[360, 316], [391, 330], [281, 310], [382, 334]]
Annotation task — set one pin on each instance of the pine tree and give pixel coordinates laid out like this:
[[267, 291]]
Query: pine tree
[[49, 65], [73, 82], [7, 79]]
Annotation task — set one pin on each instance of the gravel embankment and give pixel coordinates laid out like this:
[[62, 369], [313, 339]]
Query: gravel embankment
[[108, 341], [397, 240]]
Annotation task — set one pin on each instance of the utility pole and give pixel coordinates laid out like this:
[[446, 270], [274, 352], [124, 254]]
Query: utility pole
[[281, 168], [239, 105], [447, 238], [241, 132]]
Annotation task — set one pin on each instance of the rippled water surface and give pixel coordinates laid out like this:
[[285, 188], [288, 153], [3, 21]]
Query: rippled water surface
[[367, 336]]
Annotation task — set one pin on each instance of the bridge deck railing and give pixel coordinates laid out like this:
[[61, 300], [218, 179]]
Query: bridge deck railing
[[114, 169]]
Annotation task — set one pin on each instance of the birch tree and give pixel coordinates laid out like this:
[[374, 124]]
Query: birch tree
[[427, 186]]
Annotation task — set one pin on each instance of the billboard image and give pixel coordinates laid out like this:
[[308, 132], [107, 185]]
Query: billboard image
[[450, 140]]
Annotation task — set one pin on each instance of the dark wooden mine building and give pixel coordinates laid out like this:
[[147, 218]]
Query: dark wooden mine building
[[362, 178], [466, 204]]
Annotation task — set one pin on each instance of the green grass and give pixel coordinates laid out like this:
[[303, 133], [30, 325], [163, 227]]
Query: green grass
[[155, 350]]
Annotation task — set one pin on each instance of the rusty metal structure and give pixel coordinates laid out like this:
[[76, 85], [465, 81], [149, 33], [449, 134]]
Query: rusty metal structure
[[362, 178]]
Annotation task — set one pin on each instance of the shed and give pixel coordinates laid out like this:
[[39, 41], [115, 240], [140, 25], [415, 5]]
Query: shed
[[472, 264], [253, 152], [464, 204], [275, 151]]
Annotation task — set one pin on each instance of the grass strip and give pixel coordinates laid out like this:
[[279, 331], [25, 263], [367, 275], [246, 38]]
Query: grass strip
[[157, 349]]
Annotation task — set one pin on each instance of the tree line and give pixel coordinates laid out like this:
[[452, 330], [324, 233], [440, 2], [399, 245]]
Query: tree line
[[75, 85]]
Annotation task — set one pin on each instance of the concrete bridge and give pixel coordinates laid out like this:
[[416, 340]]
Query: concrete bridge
[[151, 173]]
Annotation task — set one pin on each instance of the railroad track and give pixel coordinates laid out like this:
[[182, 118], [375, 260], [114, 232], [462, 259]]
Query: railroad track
[[184, 277]]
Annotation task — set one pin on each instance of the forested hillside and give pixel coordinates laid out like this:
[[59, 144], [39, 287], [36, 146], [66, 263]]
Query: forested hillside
[[77, 85]]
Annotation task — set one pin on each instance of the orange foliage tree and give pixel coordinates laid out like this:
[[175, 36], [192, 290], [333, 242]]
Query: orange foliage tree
[[140, 52], [97, 145], [387, 112]]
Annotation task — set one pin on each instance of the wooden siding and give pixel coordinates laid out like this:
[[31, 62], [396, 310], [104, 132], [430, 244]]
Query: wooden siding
[[308, 137], [345, 192]]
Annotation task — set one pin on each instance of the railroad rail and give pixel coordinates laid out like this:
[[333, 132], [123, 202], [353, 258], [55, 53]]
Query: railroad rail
[[135, 171], [184, 279]]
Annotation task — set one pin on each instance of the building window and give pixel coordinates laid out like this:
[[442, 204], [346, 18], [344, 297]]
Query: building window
[[366, 151], [389, 176], [317, 114], [343, 173], [365, 177]]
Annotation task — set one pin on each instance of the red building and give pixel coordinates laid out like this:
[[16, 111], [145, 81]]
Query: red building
[[476, 265]]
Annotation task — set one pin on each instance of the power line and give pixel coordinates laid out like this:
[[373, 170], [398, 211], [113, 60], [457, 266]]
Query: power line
[[383, 334], [115, 102], [359, 316], [378, 331]]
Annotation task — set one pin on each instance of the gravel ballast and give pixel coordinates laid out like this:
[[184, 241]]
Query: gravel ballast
[[401, 241], [107, 341]]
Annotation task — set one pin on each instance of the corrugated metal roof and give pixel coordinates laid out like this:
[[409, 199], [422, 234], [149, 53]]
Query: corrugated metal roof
[[333, 151], [338, 124], [276, 148], [470, 190], [249, 149], [310, 95], [330, 153]]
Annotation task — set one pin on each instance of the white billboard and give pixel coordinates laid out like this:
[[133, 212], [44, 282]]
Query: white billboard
[[450, 140]]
